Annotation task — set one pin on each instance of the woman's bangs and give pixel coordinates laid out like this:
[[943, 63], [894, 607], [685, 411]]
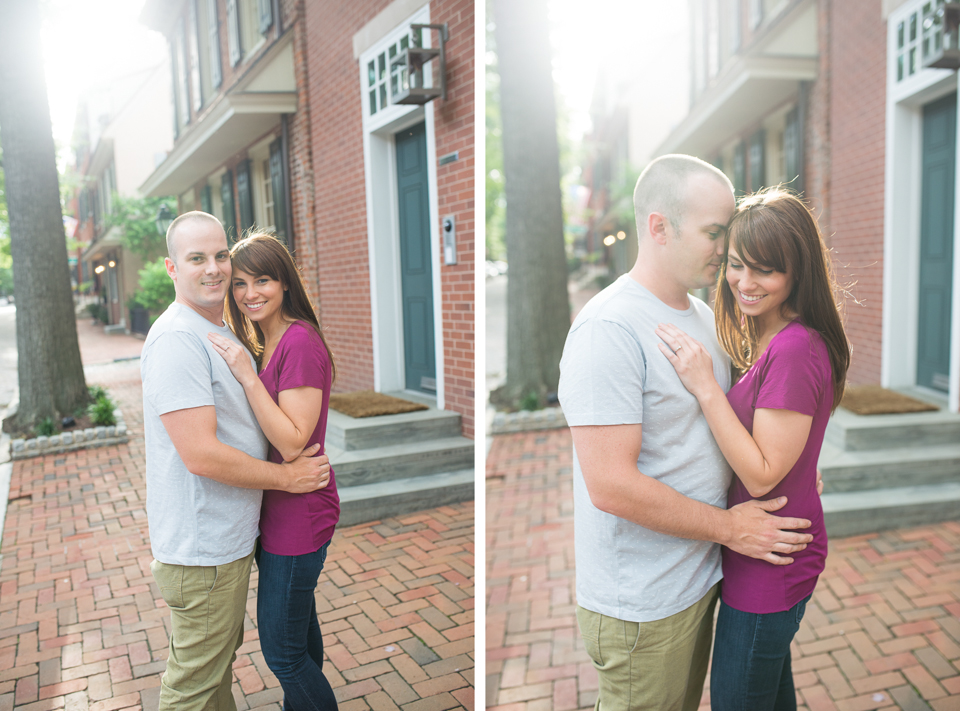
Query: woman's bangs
[[758, 241]]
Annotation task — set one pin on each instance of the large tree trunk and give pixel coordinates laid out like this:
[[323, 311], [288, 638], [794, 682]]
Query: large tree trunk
[[50, 370], [538, 310]]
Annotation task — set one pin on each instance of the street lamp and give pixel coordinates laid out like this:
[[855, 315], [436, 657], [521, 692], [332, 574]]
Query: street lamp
[[164, 218]]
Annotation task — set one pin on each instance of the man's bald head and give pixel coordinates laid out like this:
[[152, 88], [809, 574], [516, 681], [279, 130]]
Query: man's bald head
[[662, 188], [177, 225]]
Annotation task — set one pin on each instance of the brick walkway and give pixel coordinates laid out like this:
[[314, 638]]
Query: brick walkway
[[83, 626], [882, 630]]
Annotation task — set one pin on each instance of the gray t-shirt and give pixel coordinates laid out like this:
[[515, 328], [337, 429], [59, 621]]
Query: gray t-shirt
[[612, 373], [195, 520]]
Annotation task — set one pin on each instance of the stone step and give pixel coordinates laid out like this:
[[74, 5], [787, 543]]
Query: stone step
[[858, 512], [400, 461], [387, 499], [356, 433], [852, 432], [850, 471]]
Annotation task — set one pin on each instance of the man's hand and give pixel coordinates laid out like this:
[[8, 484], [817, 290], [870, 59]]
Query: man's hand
[[756, 533], [307, 473]]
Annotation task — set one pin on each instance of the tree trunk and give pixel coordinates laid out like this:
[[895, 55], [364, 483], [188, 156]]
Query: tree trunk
[[538, 310], [50, 370]]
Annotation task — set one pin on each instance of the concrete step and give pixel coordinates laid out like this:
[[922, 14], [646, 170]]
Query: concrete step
[[355, 433], [400, 461], [387, 499], [853, 433], [847, 471], [858, 512]]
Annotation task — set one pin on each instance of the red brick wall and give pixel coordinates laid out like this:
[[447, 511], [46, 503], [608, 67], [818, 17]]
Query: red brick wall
[[455, 187], [340, 213], [857, 124]]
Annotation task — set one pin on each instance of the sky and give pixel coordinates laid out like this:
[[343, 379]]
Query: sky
[[86, 42], [633, 34]]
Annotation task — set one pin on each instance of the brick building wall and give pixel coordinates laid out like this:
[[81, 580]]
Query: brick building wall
[[858, 46], [455, 186], [340, 212]]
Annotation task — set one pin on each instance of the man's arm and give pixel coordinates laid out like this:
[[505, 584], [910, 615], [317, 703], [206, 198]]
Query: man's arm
[[608, 458], [194, 435]]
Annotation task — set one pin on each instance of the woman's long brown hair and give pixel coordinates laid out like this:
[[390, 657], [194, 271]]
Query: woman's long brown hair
[[262, 254], [772, 229]]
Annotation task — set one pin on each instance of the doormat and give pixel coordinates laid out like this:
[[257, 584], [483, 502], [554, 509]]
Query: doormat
[[367, 403], [875, 400]]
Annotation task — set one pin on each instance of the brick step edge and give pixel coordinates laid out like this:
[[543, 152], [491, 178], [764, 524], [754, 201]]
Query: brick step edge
[[101, 436]]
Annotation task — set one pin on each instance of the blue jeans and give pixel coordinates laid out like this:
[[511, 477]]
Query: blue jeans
[[751, 660], [289, 631]]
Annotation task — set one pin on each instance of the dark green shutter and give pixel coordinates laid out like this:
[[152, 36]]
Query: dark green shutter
[[233, 31], [229, 211], [206, 200], [214, 40], [277, 183], [245, 196], [757, 162], [266, 14], [739, 169]]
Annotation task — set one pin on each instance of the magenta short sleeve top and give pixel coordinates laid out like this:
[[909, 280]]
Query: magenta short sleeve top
[[295, 524], [794, 373]]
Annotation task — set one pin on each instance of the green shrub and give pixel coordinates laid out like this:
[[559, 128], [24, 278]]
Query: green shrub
[[530, 401], [47, 427], [96, 392], [101, 412], [157, 290]]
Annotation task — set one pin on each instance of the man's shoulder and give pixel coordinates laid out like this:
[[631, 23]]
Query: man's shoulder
[[173, 335], [622, 302]]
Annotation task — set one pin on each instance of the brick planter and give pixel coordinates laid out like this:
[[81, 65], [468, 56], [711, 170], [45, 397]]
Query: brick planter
[[70, 441]]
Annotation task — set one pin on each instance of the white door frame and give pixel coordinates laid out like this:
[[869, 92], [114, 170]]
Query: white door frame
[[383, 228], [901, 224]]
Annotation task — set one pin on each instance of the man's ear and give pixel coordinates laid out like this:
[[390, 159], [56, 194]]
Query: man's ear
[[171, 268], [657, 226]]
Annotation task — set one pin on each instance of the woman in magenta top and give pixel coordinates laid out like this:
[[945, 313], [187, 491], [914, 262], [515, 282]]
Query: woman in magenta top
[[777, 318], [270, 312]]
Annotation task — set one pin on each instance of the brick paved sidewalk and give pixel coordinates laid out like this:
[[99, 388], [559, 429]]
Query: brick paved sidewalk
[[83, 626], [882, 630]]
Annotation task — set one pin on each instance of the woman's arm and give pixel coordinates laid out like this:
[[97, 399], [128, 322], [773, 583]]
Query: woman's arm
[[288, 425], [779, 436]]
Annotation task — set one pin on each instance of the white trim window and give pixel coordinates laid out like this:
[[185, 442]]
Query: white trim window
[[381, 81]]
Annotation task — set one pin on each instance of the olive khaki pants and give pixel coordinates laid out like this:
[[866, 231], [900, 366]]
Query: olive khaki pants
[[206, 607], [658, 665]]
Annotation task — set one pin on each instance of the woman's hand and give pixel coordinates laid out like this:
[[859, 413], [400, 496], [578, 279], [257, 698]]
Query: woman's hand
[[236, 356], [691, 360]]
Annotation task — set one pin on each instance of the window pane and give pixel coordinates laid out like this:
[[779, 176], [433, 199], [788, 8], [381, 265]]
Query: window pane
[[404, 42], [393, 51], [393, 84], [382, 65], [373, 98], [913, 27], [383, 95], [900, 36], [900, 68], [371, 74], [913, 60]]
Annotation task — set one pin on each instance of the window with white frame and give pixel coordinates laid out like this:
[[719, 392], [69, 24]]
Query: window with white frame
[[917, 36], [180, 77], [381, 80]]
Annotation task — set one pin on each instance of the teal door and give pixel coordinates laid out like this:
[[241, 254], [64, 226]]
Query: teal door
[[415, 268], [936, 241]]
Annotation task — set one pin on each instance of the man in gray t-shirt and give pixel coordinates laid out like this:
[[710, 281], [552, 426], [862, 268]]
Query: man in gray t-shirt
[[650, 482], [205, 471]]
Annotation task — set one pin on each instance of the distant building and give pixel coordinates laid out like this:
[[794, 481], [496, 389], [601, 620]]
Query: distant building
[[120, 131], [832, 99], [285, 119]]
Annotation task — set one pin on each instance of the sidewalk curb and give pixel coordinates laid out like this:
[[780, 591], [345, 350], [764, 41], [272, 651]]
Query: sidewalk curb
[[6, 470]]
